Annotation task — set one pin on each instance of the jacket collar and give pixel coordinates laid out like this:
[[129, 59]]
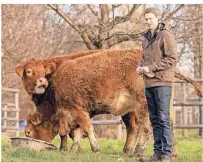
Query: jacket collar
[[161, 26]]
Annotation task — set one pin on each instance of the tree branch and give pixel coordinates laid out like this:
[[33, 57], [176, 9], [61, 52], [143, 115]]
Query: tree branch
[[83, 33], [128, 16], [87, 40], [91, 9], [194, 19], [65, 17], [120, 37], [115, 6], [170, 15], [104, 13]]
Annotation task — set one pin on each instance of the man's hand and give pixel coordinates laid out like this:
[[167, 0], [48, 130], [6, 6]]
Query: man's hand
[[139, 70], [145, 70]]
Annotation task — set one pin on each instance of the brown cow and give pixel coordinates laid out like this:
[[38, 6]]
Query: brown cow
[[45, 102]]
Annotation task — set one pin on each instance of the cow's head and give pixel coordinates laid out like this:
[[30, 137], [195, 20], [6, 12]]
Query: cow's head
[[41, 129], [33, 74]]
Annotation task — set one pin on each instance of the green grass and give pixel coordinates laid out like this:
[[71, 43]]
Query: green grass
[[189, 150]]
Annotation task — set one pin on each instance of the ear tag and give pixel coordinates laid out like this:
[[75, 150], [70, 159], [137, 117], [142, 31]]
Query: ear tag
[[20, 73], [48, 71]]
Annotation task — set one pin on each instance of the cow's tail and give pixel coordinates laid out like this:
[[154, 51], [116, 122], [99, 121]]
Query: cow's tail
[[187, 79]]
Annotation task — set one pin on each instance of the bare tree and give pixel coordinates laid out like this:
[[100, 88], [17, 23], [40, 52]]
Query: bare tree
[[188, 29], [108, 29]]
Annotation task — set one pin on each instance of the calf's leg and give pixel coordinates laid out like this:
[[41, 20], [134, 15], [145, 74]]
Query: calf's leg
[[83, 119], [63, 145], [63, 129], [77, 134]]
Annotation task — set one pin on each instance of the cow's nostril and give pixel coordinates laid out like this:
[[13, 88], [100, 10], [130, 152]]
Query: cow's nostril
[[27, 133], [40, 80]]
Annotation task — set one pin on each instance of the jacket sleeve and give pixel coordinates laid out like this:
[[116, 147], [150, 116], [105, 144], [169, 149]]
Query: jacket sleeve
[[170, 49]]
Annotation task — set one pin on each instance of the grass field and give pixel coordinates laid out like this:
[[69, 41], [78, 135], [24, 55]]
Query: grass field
[[189, 150]]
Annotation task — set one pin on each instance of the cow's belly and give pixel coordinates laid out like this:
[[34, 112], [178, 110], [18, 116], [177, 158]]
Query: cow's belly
[[122, 103]]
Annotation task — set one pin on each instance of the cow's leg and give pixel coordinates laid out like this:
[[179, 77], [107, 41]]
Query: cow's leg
[[63, 145], [144, 130], [63, 122], [77, 133], [85, 123], [144, 135], [131, 127]]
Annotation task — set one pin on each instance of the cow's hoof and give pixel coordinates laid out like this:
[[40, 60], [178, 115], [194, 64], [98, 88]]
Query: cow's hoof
[[139, 151], [174, 154], [75, 147], [129, 152], [63, 149], [96, 149]]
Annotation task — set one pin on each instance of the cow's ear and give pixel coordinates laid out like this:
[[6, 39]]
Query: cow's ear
[[19, 70], [29, 117], [50, 68], [36, 119]]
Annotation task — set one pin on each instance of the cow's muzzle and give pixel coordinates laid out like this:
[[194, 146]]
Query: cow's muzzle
[[42, 84]]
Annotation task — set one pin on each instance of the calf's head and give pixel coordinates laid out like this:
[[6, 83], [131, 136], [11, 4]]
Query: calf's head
[[41, 129], [33, 74]]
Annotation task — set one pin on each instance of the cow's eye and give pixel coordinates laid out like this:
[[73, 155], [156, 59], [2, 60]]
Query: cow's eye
[[29, 72]]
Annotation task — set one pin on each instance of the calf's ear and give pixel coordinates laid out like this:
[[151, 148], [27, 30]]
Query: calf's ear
[[50, 68], [19, 70], [36, 119]]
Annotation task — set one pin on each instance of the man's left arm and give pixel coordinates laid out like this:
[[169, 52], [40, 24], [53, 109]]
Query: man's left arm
[[170, 59]]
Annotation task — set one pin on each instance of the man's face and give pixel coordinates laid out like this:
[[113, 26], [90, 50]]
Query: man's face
[[151, 21]]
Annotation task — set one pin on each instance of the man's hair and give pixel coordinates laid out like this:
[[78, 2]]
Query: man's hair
[[152, 10]]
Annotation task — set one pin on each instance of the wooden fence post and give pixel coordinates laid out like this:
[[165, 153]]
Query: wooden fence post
[[184, 110], [5, 117], [11, 107], [119, 129], [17, 113]]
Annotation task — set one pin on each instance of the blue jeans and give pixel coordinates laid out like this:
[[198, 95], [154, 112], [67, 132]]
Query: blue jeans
[[158, 100]]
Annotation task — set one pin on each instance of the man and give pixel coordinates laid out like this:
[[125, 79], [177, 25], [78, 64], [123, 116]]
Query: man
[[157, 68]]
